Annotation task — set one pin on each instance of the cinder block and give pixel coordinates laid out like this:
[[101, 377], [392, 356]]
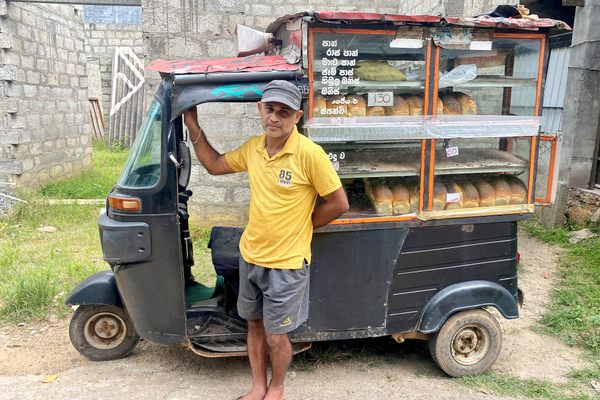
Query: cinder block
[[224, 6], [30, 90], [8, 105], [261, 9], [14, 136], [11, 167], [5, 41]]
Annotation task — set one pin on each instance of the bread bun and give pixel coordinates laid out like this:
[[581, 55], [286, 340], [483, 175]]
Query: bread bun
[[470, 195], [357, 106], [487, 194], [501, 189], [319, 106], [451, 106], [467, 104], [376, 111], [439, 196], [415, 105], [400, 107], [401, 198], [380, 195], [454, 197]]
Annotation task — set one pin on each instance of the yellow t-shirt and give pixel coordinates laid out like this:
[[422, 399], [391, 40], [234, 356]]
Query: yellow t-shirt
[[283, 192]]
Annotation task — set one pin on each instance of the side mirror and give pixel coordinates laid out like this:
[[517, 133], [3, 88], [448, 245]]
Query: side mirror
[[185, 163]]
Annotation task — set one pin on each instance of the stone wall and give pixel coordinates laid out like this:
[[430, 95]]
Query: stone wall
[[101, 41], [45, 132], [583, 206], [203, 29]]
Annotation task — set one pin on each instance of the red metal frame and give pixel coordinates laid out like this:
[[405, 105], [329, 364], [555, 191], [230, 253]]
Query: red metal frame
[[554, 143]]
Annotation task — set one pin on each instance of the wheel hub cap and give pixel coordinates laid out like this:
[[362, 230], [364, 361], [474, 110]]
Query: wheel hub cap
[[466, 341], [470, 345], [105, 330]]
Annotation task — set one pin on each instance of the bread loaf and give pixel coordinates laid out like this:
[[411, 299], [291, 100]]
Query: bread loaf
[[501, 190], [439, 196], [357, 106], [415, 105], [319, 106], [401, 198], [400, 107], [376, 111], [380, 195], [440, 107], [467, 105], [413, 194], [451, 106], [487, 195], [470, 195], [518, 191], [454, 196], [335, 103]]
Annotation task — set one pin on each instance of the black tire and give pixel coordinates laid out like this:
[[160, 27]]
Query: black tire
[[468, 343], [102, 332]]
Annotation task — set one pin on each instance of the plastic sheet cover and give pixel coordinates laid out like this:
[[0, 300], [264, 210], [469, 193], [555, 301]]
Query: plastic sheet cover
[[367, 129]]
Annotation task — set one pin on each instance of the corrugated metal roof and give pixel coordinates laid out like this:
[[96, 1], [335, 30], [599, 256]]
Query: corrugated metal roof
[[556, 77], [343, 17]]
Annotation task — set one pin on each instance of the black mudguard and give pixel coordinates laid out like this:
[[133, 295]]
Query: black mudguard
[[99, 288], [464, 296]]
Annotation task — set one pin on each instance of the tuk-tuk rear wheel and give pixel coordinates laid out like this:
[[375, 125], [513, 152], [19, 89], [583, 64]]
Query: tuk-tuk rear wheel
[[468, 343], [102, 332]]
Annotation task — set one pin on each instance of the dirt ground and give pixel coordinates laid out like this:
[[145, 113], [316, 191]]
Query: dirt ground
[[32, 352]]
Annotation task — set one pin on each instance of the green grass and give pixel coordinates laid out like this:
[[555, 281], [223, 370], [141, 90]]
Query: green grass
[[530, 388], [95, 183], [39, 269], [203, 269]]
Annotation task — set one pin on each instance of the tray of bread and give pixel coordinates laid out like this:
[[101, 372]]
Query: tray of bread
[[399, 196]]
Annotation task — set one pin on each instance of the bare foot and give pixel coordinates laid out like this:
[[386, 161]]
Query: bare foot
[[253, 395], [275, 393]]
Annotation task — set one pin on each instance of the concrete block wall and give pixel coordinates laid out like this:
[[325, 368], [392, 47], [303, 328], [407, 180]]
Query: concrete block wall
[[45, 131], [197, 30], [101, 41]]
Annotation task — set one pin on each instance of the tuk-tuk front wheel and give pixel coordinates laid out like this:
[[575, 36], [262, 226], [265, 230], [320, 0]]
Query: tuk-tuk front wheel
[[468, 343], [102, 332]]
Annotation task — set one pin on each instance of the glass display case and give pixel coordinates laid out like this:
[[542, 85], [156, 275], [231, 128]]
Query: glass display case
[[428, 123]]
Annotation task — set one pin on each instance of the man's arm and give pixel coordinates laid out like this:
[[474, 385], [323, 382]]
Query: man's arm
[[212, 160], [334, 205]]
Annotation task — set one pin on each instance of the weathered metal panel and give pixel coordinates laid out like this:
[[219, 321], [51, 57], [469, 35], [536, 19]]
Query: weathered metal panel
[[552, 119], [556, 78]]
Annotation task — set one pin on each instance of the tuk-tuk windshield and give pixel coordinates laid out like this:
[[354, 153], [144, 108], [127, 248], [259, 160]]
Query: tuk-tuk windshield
[[142, 169]]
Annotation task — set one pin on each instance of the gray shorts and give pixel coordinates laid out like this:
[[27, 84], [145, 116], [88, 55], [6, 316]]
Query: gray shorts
[[278, 296]]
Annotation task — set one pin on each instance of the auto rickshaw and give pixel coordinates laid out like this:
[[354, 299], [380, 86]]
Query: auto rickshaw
[[408, 278]]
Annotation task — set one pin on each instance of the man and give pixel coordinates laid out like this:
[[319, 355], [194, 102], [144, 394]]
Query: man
[[286, 172]]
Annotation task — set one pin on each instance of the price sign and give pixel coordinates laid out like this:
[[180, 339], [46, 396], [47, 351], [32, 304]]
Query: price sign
[[383, 99], [452, 151]]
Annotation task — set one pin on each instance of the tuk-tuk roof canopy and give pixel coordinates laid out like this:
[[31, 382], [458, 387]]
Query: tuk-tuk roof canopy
[[254, 63], [482, 21]]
